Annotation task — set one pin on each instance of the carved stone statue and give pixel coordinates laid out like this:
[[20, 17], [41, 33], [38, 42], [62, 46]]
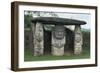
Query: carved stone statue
[[38, 40], [78, 40], [58, 40]]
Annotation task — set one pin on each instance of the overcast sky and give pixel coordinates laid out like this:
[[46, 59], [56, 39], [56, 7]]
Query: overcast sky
[[78, 16]]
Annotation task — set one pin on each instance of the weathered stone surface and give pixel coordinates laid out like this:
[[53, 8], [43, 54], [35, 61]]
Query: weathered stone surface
[[38, 40], [58, 41], [78, 40], [57, 51], [57, 20]]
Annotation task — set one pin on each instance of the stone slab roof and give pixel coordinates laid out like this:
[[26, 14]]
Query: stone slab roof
[[57, 20]]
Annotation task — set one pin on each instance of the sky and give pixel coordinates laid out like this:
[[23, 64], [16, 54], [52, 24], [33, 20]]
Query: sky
[[78, 16]]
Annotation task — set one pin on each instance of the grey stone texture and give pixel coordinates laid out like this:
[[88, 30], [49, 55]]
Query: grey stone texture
[[78, 40], [38, 40], [58, 41]]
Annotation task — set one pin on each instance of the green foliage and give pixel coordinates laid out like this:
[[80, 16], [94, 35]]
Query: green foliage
[[86, 39], [27, 21], [27, 30]]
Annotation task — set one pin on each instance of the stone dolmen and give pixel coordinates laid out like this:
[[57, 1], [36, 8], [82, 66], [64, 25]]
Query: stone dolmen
[[58, 35]]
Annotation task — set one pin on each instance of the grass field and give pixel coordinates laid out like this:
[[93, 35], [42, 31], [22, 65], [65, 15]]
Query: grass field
[[28, 55]]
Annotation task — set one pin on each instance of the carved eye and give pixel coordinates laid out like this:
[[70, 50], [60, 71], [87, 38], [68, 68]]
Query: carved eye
[[59, 34]]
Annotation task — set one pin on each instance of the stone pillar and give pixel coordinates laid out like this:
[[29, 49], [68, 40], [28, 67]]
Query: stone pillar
[[78, 40], [38, 39], [58, 40]]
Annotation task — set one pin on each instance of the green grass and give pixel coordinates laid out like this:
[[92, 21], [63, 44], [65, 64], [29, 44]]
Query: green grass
[[29, 56]]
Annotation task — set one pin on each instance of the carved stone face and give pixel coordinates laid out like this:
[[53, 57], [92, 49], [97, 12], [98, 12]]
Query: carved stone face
[[78, 37], [59, 32]]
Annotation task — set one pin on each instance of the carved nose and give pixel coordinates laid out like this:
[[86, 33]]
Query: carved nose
[[60, 33]]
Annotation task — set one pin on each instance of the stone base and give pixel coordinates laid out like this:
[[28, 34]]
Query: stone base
[[77, 50], [38, 51], [58, 51]]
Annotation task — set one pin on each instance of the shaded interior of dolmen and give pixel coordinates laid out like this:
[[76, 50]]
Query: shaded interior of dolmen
[[69, 45]]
